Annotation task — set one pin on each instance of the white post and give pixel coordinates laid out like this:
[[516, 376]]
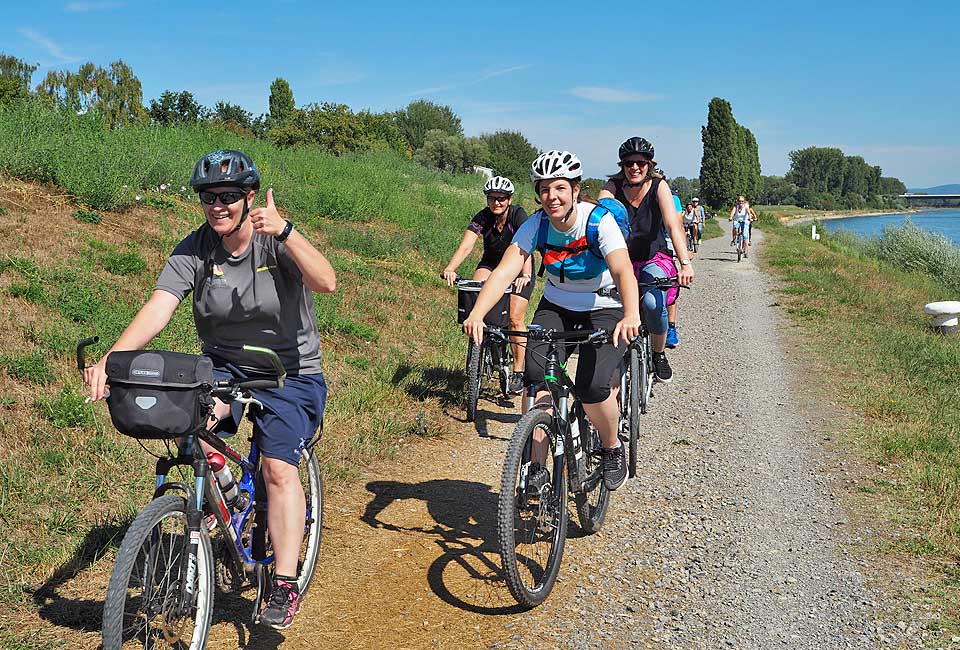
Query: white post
[[814, 235]]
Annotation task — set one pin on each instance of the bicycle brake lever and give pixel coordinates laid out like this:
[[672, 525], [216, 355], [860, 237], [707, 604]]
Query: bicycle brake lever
[[248, 400]]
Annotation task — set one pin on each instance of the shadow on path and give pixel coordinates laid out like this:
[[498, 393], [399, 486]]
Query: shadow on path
[[464, 529]]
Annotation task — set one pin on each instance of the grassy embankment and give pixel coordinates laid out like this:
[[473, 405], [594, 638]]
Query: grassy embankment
[[863, 314], [78, 256]]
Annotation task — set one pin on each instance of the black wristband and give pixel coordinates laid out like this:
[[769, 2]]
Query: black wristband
[[286, 232]]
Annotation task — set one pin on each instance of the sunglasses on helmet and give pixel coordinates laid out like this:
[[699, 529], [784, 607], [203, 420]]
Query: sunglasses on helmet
[[226, 198]]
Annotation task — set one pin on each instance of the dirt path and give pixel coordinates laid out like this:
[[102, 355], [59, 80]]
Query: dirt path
[[730, 537]]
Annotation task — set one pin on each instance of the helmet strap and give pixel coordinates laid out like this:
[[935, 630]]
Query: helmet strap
[[243, 217]]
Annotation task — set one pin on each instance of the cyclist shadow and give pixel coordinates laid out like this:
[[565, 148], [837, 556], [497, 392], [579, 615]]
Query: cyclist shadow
[[483, 417], [443, 384], [234, 609], [82, 614], [467, 573]]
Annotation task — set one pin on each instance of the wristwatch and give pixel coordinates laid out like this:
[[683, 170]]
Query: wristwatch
[[285, 232], [685, 262]]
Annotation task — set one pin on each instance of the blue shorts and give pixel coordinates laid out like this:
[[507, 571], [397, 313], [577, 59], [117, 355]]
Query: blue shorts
[[290, 416], [744, 227]]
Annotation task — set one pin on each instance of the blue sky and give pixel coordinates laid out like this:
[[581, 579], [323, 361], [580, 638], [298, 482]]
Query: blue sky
[[878, 79]]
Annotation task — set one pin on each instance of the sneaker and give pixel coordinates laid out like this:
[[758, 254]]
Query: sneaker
[[516, 382], [746, 254], [672, 339], [661, 368], [283, 605], [614, 467], [537, 478]]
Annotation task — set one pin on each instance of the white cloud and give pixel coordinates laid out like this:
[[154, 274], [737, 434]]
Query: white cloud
[[53, 48], [83, 7], [473, 82], [613, 95]]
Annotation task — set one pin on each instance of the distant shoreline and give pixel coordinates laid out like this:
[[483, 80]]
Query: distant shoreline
[[829, 216]]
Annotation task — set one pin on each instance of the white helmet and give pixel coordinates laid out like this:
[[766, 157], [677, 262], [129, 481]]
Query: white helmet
[[555, 164], [498, 184]]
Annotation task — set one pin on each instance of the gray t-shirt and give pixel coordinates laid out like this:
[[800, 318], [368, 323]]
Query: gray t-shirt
[[256, 298]]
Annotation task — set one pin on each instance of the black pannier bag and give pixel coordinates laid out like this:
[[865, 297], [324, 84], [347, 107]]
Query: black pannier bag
[[158, 394], [499, 316]]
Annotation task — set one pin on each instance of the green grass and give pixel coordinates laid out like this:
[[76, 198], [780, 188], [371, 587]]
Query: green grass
[[85, 215], [32, 367], [864, 315]]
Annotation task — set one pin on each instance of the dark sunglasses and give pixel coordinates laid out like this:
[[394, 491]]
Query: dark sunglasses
[[226, 198], [637, 163], [497, 199]]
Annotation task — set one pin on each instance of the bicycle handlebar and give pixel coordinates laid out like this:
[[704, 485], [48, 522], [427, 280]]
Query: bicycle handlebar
[[81, 346], [596, 337]]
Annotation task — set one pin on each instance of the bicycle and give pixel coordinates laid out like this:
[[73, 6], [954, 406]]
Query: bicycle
[[691, 240], [535, 516], [488, 358], [636, 383], [739, 241], [161, 590]]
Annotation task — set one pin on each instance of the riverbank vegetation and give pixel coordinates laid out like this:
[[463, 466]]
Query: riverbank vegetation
[[861, 307]]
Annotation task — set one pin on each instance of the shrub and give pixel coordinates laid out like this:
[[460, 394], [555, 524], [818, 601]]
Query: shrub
[[85, 215], [66, 410]]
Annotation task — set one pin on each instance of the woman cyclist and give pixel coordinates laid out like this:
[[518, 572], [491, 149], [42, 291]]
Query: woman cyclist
[[496, 224], [582, 291], [741, 214], [650, 205], [691, 222], [252, 276]]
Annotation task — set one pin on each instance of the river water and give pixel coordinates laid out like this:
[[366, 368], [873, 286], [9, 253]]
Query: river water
[[945, 222]]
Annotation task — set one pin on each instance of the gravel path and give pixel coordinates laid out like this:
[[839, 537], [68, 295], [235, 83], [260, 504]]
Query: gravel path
[[730, 537]]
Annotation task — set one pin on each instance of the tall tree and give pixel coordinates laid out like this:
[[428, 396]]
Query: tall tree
[[233, 116], [18, 70], [718, 167], [422, 116], [115, 95], [282, 105]]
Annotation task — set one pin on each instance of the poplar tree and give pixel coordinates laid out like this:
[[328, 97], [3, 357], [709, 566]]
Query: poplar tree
[[282, 106]]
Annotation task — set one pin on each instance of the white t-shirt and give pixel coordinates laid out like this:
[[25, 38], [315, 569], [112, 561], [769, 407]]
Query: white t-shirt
[[583, 274]]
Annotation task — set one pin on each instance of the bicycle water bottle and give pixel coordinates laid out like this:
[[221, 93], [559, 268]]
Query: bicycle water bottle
[[224, 477]]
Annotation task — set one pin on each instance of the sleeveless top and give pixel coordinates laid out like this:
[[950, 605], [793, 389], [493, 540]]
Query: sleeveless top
[[742, 215], [646, 237]]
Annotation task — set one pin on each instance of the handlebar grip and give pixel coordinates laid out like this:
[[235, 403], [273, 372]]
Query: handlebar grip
[[81, 361], [259, 383]]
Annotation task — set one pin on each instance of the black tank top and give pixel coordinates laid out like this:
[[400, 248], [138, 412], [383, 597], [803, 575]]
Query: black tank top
[[646, 223]]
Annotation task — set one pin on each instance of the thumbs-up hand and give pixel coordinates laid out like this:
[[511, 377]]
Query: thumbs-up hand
[[267, 220]]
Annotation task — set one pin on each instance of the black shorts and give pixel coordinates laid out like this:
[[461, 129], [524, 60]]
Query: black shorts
[[526, 292], [597, 368]]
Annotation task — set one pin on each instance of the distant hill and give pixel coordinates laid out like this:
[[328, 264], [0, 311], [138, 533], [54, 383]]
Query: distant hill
[[953, 188]]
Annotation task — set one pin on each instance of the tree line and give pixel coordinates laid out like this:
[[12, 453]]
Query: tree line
[[430, 133]]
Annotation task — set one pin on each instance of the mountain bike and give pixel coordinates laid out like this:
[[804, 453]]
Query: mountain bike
[[161, 590], [636, 383], [740, 243], [532, 516], [490, 358], [691, 240]]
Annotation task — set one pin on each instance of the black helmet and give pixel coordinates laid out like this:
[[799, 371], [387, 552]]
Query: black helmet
[[636, 145], [225, 167]]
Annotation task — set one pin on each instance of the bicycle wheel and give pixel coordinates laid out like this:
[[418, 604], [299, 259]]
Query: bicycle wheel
[[312, 480], [531, 523], [739, 247], [591, 504], [474, 353], [644, 378], [141, 609], [506, 368], [633, 409]]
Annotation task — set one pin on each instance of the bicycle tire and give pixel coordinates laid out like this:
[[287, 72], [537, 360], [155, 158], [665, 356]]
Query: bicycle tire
[[591, 506], [540, 518], [739, 248], [644, 379], [473, 379], [145, 545], [506, 368], [633, 410], [312, 479]]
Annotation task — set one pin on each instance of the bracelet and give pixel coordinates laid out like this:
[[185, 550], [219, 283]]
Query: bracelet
[[525, 276], [285, 233]]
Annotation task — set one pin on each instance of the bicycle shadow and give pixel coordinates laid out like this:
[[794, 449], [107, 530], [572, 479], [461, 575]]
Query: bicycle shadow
[[81, 614], [467, 573], [483, 417]]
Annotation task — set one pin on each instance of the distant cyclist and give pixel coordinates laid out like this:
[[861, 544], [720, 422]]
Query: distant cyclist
[[691, 222], [583, 291], [651, 208], [701, 218], [496, 224], [742, 215]]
